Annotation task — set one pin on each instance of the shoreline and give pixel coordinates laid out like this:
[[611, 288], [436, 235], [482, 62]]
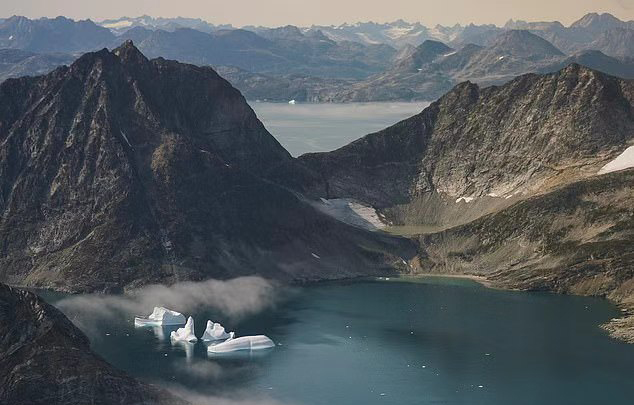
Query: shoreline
[[482, 280]]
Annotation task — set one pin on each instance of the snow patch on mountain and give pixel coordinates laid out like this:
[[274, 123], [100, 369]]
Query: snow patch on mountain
[[624, 161]]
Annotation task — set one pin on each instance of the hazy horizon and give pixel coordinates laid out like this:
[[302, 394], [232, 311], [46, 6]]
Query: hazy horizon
[[325, 12]]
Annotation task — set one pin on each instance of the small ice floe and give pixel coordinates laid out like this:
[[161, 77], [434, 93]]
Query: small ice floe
[[185, 333], [624, 161], [232, 344], [292, 102], [315, 255], [215, 331], [161, 316]]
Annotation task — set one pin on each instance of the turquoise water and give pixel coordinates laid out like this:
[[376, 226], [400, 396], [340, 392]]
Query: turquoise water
[[434, 341], [303, 128]]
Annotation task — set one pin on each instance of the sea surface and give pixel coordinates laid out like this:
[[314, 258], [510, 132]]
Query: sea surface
[[397, 341], [303, 128]]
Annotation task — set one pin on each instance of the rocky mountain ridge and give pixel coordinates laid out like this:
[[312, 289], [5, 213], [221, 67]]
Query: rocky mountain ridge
[[45, 359], [119, 171]]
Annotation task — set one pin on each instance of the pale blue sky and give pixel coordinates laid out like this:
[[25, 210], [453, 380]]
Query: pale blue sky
[[307, 12]]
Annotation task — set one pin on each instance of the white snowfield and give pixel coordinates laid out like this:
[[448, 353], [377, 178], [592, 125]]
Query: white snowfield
[[256, 342], [185, 333], [352, 213], [215, 331], [624, 161], [161, 316]]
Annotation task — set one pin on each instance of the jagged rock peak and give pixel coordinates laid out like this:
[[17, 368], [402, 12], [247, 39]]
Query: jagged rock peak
[[128, 53]]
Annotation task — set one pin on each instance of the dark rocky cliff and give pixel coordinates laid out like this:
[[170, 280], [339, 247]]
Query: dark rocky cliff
[[118, 171], [45, 359]]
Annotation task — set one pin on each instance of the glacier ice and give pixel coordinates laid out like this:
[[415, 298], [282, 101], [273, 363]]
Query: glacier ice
[[185, 333], [242, 343], [161, 316], [214, 331]]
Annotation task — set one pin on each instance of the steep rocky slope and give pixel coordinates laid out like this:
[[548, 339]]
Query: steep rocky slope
[[477, 149], [118, 171], [45, 359]]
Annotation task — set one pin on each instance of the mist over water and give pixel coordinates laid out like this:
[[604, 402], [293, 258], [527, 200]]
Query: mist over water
[[416, 341], [304, 128], [233, 299]]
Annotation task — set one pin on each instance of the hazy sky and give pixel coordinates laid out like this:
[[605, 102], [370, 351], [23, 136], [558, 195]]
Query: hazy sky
[[307, 12]]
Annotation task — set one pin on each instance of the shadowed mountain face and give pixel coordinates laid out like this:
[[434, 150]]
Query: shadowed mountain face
[[118, 171], [45, 359]]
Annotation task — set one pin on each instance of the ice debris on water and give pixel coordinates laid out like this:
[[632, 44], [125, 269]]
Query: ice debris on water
[[215, 331], [161, 316], [232, 344], [185, 333]]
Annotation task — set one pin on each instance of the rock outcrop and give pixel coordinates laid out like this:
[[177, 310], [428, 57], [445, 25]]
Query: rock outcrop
[[45, 359]]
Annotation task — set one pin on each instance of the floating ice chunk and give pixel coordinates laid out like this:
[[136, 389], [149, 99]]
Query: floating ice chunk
[[256, 342], [161, 317], [185, 333], [624, 161], [214, 331]]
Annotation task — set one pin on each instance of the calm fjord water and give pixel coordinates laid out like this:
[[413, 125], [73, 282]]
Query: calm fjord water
[[303, 128], [424, 341]]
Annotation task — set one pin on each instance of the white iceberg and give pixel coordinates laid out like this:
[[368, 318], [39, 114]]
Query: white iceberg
[[161, 317], [185, 333], [215, 331], [242, 343]]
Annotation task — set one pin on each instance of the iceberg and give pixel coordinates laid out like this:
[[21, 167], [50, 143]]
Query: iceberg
[[256, 342], [161, 316], [185, 333], [215, 331]]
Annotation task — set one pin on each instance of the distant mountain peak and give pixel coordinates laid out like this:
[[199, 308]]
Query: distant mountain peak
[[524, 43], [598, 22]]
